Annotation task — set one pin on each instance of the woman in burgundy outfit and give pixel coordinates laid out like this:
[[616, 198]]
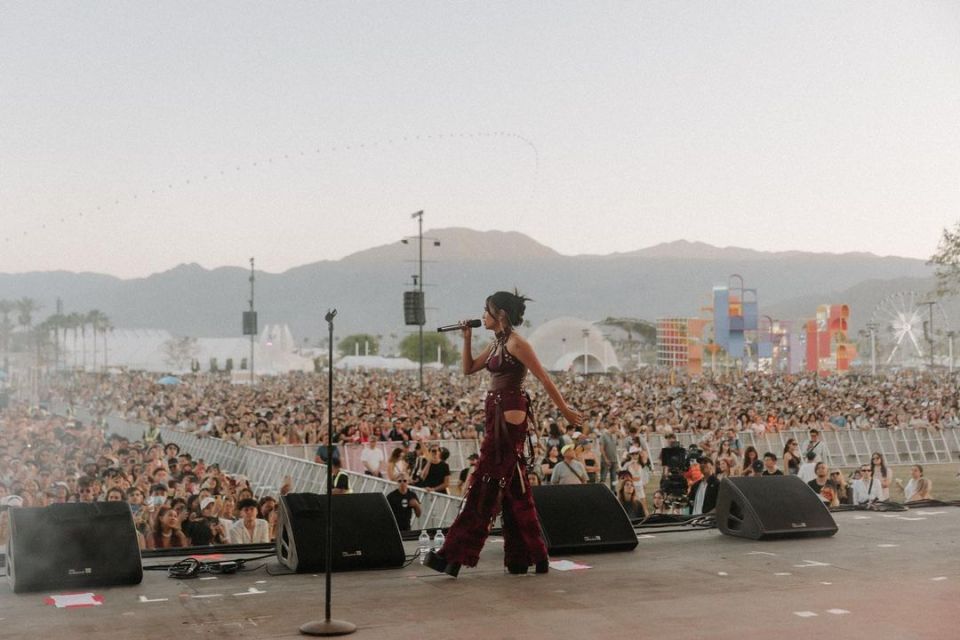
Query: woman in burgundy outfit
[[500, 480]]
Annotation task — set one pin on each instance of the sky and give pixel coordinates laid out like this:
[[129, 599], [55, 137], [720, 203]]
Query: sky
[[135, 136]]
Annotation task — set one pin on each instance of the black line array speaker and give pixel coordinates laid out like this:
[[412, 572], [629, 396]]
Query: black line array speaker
[[413, 310], [771, 507], [249, 323], [579, 518], [365, 532], [67, 546]]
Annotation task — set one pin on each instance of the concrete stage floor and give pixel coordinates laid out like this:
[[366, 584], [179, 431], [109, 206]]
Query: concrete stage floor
[[884, 575]]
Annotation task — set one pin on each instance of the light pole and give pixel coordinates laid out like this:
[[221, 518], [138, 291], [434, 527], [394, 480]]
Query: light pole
[[773, 358], [872, 327], [586, 335], [253, 334], [928, 329], [950, 337], [419, 283]]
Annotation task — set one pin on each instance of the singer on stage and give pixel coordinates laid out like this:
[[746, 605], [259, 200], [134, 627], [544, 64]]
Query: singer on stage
[[500, 479]]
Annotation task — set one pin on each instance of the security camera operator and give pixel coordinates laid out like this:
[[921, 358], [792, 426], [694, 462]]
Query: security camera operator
[[703, 492]]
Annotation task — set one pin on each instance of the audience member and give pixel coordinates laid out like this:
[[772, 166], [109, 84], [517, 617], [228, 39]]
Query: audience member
[[404, 503]]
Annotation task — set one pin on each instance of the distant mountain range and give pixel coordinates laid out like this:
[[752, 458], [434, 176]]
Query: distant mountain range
[[366, 287]]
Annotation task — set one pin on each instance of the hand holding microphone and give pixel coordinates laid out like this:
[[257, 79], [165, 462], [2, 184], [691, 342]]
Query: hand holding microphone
[[473, 324]]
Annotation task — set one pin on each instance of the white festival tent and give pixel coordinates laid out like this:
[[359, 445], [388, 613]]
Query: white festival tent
[[145, 350], [572, 344]]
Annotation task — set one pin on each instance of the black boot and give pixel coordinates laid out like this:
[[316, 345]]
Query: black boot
[[543, 566], [437, 562], [517, 569]]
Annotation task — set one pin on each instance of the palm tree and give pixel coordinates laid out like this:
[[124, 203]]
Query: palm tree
[[54, 324], [6, 308], [41, 338], [26, 307], [74, 321], [98, 322], [106, 327]]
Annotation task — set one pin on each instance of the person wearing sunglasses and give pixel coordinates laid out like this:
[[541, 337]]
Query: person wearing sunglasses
[[866, 488], [404, 503]]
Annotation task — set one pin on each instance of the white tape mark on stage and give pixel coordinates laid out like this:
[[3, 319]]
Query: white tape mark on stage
[[722, 573], [644, 535], [826, 583], [887, 546], [209, 578], [937, 579], [838, 612], [805, 614], [783, 573], [813, 563], [146, 599], [760, 553], [252, 591], [207, 595], [861, 517], [930, 513]]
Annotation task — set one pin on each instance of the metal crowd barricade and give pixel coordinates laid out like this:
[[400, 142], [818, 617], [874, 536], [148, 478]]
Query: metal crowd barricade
[[265, 470], [847, 447], [459, 450]]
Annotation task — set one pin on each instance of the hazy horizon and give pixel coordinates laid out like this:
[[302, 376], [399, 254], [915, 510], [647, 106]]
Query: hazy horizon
[[138, 137]]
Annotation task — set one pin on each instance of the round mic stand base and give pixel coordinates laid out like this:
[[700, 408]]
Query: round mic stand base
[[328, 628]]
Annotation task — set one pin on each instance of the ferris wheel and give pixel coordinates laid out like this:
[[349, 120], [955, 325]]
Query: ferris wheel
[[909, 323]]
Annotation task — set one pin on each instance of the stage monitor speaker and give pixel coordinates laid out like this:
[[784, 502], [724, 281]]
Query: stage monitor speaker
[[73, 545], [413, 311], [579, 518], [365, 532], [771, 507]]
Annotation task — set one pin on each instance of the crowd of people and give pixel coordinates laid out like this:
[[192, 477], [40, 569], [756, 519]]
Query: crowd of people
[[290, 409], [176, 500], [179, 501]]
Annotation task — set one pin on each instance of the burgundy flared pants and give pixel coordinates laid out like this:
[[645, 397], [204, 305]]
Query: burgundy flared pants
[[499, 482]]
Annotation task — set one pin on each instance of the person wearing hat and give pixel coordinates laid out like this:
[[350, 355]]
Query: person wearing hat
[[249, 529], [466, 474], [569, 470], [204, 527], [500, 482]]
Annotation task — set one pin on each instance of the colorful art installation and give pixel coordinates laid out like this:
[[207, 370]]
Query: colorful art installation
[[730, 336], [680, 343], [828, 349], [735, 312]]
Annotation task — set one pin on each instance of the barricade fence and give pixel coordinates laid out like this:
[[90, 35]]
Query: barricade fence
[[265, 470], [350, 454], [846, 447]]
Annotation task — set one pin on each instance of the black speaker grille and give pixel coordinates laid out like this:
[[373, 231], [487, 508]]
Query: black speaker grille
[[68, 546], [413, 310], [765, 507], [583, 518], [365, 533]]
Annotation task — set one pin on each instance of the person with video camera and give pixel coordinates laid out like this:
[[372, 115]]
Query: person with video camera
[[703, 493]]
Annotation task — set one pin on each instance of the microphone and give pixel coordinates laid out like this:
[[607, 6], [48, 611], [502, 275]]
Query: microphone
[[473, 324]]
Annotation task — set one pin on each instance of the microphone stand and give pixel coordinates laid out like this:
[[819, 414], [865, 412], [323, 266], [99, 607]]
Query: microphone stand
[[329, 627]]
